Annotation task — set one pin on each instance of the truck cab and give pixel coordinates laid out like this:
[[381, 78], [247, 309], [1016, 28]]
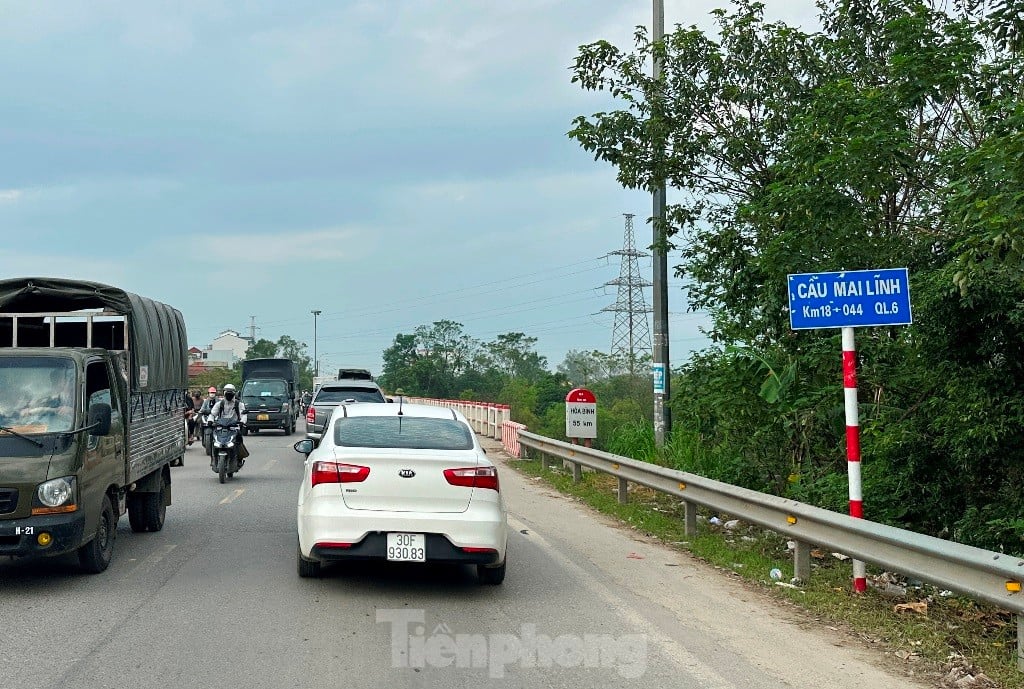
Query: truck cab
[[268, 404], [62, 446]]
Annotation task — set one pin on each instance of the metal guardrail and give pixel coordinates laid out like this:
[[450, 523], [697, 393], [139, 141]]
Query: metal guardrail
[[974, 572]]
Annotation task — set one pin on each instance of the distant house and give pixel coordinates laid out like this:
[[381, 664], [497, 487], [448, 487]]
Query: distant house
[[230, 341], [226, 349]]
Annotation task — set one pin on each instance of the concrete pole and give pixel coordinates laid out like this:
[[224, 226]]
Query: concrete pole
[[660, 353], [316, 362]]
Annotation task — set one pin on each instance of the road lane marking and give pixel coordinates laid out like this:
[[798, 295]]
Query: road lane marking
[[231, 498], [705, 675]]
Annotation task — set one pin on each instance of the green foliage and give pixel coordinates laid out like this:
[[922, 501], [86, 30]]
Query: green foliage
[[894, 136], [216, 377], [440, 360], [286, 347]]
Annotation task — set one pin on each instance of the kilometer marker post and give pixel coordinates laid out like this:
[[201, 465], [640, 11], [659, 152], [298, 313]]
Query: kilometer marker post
[[847, 300], [853, 445]]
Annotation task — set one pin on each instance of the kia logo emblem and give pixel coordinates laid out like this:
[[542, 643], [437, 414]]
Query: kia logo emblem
[[406, 473]]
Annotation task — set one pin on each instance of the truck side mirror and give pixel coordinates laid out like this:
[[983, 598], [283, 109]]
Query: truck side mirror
[[99, 419]]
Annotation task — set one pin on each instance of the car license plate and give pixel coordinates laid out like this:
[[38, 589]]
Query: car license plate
[[407, 547], [263, 417]]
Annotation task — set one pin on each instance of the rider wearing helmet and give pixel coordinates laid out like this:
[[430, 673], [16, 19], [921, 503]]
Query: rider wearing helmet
[[209, 401], [231, 409]]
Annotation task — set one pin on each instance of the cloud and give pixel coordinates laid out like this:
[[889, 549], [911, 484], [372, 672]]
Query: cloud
[[66, 265], [330, 244], [10, 195]]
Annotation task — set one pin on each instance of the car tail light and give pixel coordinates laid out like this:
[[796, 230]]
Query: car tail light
[[335, 472], [311, 415], [473, 477]]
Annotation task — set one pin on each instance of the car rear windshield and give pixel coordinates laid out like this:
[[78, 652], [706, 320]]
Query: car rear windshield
[[339, 395], [402, 432]]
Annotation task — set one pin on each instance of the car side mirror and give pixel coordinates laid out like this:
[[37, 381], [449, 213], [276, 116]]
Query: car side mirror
[[304, 446], [99, 419], [391, 400]]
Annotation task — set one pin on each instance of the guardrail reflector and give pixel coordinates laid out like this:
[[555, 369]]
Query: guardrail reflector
[[682, 486], [791, 519], [1013, 586]]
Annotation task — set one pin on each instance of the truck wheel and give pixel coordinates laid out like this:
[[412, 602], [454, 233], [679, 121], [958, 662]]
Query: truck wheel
[[289, 428], [154, 508], [95, 555], [136, 512]]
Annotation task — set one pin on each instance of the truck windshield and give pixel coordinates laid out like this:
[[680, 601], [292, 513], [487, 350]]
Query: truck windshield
[[37, 394], [265, 388]]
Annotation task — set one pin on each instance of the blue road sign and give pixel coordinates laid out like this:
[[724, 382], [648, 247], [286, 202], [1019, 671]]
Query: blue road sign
[[850, 299], [658, 371]]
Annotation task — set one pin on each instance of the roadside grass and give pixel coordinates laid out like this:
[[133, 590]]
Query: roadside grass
[[955, 638]]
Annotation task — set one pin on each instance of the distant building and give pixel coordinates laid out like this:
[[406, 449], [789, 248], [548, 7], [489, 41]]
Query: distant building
[[224, 352], [231, 341]]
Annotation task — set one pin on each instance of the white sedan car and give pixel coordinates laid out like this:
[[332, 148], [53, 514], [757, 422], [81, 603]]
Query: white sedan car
[[400, 482]]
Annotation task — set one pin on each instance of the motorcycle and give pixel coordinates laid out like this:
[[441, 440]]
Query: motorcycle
[[206, 433], [225, 449]]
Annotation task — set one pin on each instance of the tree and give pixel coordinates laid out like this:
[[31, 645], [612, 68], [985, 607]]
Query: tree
[[891, 137], [286, 347], [261, 349], [513, 355]]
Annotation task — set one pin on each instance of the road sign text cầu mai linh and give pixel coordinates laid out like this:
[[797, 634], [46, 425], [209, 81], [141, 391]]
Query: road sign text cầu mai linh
[[849, 299]]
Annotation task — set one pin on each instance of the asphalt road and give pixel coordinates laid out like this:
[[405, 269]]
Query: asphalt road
[[213, 600]]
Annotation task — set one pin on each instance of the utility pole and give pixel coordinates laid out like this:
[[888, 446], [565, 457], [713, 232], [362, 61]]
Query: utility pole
[[252, 329], [660, 355], [316, 362]]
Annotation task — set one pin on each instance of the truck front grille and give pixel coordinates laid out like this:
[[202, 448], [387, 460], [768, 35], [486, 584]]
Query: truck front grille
[[8, 500]]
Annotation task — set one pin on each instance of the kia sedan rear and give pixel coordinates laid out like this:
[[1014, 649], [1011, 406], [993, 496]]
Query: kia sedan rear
[[400, 483]]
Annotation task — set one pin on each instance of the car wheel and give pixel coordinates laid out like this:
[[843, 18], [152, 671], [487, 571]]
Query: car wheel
[[307, 568], [491, 575], [95, 556]]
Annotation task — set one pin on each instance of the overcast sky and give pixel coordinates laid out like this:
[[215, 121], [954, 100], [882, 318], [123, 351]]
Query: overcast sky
[[390, 163]]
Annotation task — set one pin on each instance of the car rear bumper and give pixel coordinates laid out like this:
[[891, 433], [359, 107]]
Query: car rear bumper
[[374, 547], [450, 537]]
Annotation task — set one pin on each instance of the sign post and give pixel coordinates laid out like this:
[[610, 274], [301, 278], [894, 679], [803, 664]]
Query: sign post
[[848, 300]]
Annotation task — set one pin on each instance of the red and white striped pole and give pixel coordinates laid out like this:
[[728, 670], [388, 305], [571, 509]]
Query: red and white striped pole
[[853, 445]]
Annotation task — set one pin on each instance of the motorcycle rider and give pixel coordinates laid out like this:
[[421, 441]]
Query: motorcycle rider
[[204, 410], [209, 401], [231, 409]]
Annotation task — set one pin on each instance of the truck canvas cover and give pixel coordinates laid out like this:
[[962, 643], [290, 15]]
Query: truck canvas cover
[[156, 331]]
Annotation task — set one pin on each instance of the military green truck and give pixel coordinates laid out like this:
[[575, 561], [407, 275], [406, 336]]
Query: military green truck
[[92, 385]]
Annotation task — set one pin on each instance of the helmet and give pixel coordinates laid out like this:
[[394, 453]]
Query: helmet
[[230, 387], [212, 390]]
